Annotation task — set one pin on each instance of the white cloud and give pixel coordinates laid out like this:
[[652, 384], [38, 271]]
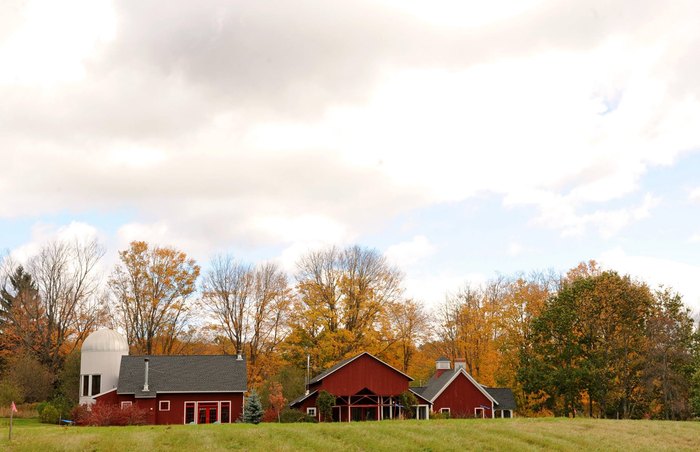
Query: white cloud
[[655, 271], [410, 252], [694, 195]]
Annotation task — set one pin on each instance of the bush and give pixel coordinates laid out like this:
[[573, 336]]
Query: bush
[[80, 414], [105, 414], [290, 415], [324, 403], [50, 415], [408, 401], [438, 415], [63, 405]]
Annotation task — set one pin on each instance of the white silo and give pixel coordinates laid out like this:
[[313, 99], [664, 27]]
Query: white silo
[[100, 358]]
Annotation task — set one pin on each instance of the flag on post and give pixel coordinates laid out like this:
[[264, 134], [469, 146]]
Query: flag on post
[[13, 407]]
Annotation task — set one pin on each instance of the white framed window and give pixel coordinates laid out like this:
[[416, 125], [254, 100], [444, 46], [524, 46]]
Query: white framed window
[[164, 405], [445, 410], [125, 405], [311, 411], [479, 412]]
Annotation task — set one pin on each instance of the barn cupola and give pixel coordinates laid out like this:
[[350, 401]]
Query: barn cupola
[[460, 363], [442, 365], [100, 358]]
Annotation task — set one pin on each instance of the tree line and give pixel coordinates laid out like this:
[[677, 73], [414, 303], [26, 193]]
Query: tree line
[[589, 342]]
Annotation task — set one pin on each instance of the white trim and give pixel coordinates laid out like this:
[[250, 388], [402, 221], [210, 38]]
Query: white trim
[[185, 392], [126, 404], [311, 411], [483, 411], [103, 393], [314, 380], [445, 410], [196, 410], [302, 399], [160, 405], [471, 379]]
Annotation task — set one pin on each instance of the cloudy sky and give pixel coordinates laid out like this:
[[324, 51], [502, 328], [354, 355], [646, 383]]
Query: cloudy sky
[[461, 138]]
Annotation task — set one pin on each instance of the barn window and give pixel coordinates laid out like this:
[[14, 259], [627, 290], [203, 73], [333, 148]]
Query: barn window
[[479, 412], [96, 384], [311, 411], [225, 412], [445, 410], [86, 385], [189, 413], [126, 405], [164, 405]]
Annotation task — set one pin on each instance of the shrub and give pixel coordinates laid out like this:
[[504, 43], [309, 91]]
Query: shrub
[[50, 415], [290, 415], [324, 403], [408, 400], [438, 415], [80, 414], [105, 414]]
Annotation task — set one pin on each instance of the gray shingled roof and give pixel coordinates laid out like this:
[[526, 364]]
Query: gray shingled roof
[[504, 397], [435, 385], [189, 373]]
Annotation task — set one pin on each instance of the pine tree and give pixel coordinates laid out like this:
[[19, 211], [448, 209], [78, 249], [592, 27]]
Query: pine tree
[[253, 410]]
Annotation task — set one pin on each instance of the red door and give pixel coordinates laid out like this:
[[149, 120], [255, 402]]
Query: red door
[[207, 413]]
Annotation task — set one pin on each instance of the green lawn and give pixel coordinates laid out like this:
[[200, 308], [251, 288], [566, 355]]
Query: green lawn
[[395, 436]]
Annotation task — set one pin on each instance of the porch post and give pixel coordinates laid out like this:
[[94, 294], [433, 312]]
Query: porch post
[[349, 398]]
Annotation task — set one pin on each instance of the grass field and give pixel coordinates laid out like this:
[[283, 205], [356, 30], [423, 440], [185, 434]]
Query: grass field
[[395, 436]]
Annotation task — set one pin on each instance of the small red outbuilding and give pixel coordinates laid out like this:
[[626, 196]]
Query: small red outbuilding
[[201, 389]]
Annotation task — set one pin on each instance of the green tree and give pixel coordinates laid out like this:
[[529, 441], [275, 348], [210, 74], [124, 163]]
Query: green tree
[[253, 409], [408, 401], [325, 402]]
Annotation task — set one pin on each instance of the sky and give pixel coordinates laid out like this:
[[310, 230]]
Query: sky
[[462, 139]]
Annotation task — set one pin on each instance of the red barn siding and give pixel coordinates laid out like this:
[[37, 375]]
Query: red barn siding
[[461, 397], [176, 415], [364, 372]]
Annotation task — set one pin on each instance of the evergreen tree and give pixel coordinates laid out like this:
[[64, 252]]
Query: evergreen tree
[[253, 410]]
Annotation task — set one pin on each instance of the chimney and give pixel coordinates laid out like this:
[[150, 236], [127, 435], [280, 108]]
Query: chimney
[[442, 365], [239, 356], [460, 363], [145, 376]]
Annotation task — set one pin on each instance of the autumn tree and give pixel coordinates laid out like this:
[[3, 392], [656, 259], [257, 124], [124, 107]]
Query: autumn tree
[[50, 305], [276, 399], [409, 326], [250, 306], [152, 287], [341, 305]]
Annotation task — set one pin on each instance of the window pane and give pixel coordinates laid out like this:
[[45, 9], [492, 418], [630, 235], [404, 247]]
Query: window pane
[[189, 413], [86, 385], [225, 412], [96, 384]]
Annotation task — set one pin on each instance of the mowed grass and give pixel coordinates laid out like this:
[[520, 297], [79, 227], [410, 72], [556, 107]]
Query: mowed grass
[[395, 436]]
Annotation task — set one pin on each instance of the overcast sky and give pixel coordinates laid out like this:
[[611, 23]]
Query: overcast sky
[[461, 138]]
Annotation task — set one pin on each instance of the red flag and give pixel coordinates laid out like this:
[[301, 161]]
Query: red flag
[[13, 407]]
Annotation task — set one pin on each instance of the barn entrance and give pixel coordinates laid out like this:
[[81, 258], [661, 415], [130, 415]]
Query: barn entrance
[[207, 413]]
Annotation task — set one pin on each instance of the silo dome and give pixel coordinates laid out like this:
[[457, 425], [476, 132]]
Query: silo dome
[[105, 341]]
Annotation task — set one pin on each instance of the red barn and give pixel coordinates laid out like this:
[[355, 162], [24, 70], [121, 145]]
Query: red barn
[[365, 388], [199, 389], [458, 394]]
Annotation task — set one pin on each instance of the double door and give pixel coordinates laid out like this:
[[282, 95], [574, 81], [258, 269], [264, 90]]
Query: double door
[[208, 413]]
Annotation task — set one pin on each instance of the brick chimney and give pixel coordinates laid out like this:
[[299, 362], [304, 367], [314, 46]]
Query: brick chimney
[[442, 365]]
